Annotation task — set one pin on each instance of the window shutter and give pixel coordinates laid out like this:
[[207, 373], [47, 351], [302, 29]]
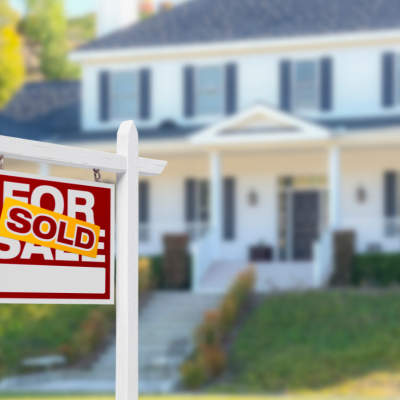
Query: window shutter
[[144, 202], [391, 189], [388, 89], [285, 85], [104, 96], [229, 209], [188, 89], [145, 93], [231, 88], [190, 200], [326, 84]]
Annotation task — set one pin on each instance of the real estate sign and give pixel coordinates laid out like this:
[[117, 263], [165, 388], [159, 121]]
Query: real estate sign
[[56, 240]]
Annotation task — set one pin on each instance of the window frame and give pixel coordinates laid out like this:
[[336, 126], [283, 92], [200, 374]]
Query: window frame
[[197, 91], [136, 110], [295, 105]]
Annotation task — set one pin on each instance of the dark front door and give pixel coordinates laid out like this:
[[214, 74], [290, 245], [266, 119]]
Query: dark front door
[[305, 223]]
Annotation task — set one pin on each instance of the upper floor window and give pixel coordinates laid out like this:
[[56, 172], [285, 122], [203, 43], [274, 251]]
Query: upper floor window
[[307, 85], [305, 94], [209, 90], [124, 96]]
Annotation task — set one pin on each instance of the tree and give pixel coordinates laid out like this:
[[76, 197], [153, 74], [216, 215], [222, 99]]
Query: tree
[[11, 60], [46, 25]]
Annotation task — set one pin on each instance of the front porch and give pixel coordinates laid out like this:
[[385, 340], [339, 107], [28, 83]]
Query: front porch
[[231, 188]]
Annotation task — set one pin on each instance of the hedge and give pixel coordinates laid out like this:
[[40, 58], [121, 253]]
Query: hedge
[[376, 269]]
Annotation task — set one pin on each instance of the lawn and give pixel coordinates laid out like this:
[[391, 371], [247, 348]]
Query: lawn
[[338, 342]]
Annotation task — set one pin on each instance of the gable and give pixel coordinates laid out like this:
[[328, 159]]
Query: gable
[[260, 123]]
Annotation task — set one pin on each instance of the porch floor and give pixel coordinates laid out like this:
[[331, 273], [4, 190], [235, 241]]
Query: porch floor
[[271, 276]]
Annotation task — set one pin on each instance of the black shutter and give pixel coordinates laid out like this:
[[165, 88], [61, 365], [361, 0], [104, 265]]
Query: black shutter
[[326, 84], [390, 194], [144, 202], [188, 92], [231, 88], [145, 94], [104, 96], [388, 89], [229, 209], [285, 85], [190, 200]]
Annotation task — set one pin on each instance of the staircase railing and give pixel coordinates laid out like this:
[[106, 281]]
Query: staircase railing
[[203, 253]]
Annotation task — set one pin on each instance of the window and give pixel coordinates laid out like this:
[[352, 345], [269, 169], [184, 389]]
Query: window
[[124, 95], [197, 206], [305, 85], [209, 90]]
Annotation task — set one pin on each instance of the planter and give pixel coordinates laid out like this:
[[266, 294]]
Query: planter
[[261, 253]]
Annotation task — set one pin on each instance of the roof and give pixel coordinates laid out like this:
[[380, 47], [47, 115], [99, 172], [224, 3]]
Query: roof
[[52, 106], [206, 21], [50, 112]]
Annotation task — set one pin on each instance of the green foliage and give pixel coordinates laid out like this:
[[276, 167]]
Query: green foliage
[[311, 340], [11, 60], [81, 29], [46, 25], [376, 269], [209, 360], [33, 330]]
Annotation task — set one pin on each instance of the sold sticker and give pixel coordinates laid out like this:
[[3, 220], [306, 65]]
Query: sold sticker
[[39, 226]]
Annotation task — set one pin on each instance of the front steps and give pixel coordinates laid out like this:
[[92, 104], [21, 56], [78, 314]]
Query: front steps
[[166, 328]]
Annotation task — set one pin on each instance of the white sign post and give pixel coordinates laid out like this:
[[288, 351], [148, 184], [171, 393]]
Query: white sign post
[[128, 166]]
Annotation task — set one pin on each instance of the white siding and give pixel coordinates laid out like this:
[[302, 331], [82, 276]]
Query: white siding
[[356, 90]]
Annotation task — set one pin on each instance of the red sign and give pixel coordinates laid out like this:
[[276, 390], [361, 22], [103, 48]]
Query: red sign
[[33, 273]]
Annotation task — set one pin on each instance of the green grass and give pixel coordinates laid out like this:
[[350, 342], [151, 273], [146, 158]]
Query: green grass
[[34, 330], [310, 341]]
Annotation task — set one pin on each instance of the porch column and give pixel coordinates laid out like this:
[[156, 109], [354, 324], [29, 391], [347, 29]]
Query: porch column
[[216, 201], [334, 188]]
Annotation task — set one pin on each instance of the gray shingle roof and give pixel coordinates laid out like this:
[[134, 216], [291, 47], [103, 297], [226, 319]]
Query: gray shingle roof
[[205, 21], [52, 106], [49, 111]]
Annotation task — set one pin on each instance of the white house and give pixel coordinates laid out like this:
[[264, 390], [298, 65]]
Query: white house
[[279, 119]]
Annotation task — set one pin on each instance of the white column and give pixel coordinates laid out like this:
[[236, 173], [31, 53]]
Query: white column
[[334, 188], [127, 223], [216, 200]]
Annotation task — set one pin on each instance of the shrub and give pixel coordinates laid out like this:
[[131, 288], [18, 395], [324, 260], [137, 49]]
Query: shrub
[[145, 274], [376, 269], [209, 331], [209, 358], [194, 373], [214, 359]]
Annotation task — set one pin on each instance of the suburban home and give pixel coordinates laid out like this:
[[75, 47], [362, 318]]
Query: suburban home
[[280, 121]]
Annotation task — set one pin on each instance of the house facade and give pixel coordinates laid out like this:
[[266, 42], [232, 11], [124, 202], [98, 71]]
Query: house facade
[[280, 121]]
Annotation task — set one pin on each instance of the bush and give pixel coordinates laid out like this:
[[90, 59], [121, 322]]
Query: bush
[[214, 359], [209, 332], [376, 269], [145, 274], [193, 373], [209, 359]]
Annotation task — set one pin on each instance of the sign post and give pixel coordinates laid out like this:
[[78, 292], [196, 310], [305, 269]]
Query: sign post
[[49, 229]]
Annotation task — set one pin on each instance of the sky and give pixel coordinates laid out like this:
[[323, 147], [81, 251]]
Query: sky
[[73, 7]]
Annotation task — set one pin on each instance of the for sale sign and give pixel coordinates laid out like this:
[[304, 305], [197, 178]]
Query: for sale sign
[[56, 240]]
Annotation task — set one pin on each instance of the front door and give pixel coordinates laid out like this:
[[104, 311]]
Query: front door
[[306, 212]]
